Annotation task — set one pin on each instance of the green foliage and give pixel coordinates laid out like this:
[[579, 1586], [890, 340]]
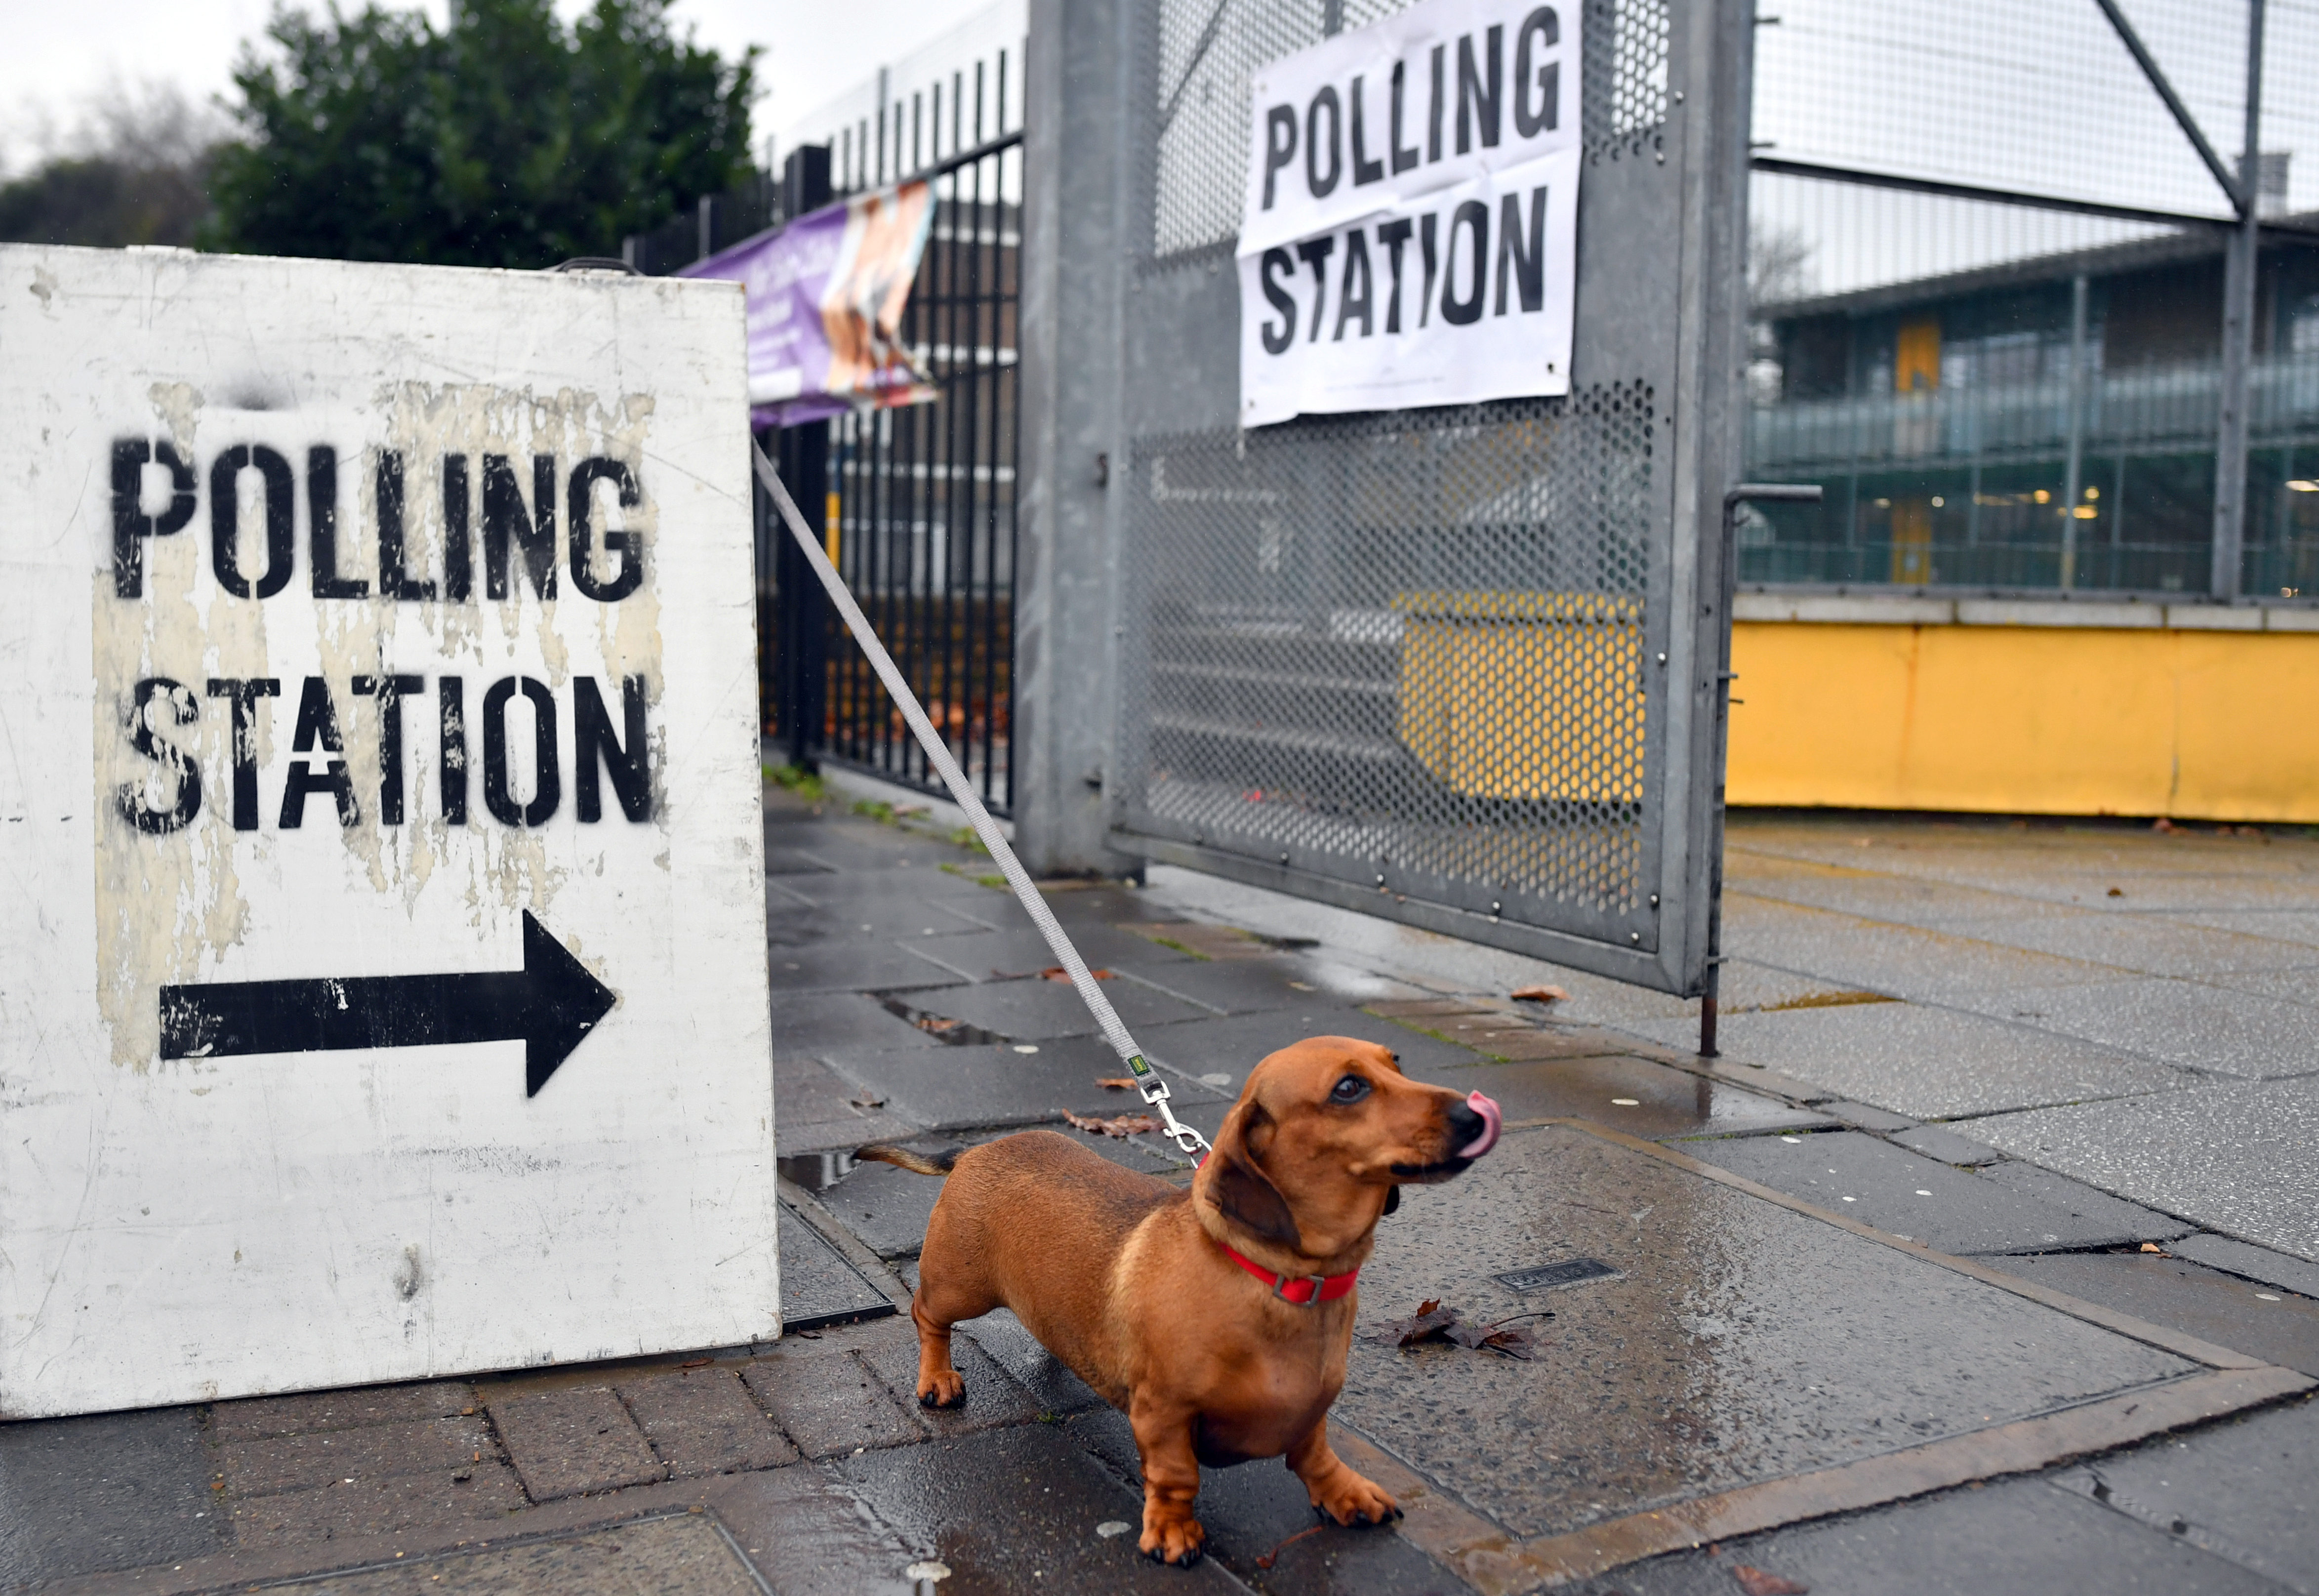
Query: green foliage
[[506, 140], [797, 779], [102, 202]]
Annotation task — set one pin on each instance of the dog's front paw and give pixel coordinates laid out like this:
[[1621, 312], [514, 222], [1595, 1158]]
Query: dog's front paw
[[1171, 1538], [1348, 1499], [941, 1389]]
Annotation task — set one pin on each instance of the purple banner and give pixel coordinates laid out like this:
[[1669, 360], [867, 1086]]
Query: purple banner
[[825, 296]]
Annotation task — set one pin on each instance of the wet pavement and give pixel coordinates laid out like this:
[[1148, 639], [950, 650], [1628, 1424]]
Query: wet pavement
[[1981, 1261]]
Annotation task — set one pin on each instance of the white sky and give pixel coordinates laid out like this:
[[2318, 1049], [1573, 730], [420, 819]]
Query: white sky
[[58, 57]]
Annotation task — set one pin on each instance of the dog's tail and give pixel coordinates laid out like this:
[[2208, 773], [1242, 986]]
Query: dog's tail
[[903, 1158]]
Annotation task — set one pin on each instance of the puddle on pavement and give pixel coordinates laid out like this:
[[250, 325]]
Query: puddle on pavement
[[814, 1171], [955, 1034], [1739, 1342]]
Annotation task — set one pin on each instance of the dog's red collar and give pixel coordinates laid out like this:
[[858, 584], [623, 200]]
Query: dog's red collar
[[1301, 1291]]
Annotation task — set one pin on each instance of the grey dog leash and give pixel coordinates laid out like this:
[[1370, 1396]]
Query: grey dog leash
[[1026, 891]]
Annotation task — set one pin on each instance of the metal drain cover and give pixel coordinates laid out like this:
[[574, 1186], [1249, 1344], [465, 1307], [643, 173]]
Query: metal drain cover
[[1574, 1271]]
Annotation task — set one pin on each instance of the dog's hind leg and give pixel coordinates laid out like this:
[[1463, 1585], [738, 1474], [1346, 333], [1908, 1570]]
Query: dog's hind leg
[[934, 1307]]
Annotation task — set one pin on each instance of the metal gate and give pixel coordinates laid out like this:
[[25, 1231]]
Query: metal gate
[[1456, 667]]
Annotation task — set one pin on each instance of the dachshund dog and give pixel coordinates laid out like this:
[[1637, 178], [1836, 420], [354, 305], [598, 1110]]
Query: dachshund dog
[[1218, 1318]]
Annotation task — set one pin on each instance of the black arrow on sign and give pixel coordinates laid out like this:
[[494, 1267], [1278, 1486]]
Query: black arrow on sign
[[550, 1004]]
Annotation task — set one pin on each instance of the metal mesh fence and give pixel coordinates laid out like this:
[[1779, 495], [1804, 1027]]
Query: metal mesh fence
[[1988, 268], [1411, 648], [922, 508]]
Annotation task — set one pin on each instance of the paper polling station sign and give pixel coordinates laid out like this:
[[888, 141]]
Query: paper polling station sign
[[385, 989], [1412, 219], [824, 295]]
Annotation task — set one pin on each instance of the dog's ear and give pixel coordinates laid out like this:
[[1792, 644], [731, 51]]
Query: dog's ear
[[1240, 1188], [1393, 1200]]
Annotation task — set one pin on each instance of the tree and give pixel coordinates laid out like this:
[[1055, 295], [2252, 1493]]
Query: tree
[[504, 140], [134, 173]]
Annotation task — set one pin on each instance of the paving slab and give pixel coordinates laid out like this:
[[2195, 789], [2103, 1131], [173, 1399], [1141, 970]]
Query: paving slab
[[683, 1554], [1925, 1062], [1936, 1141], [951, 1087], [2145, 944], [782, 860], [993, 1397], [1738, 1340], [571, 1440], [2192, 1024], [2298, 985], [2255, 1263], [818, 1285], [828, 1400], [888, 1208], [1019, 951], [1516, 1040], [2275, 1327], [111, 1491], [374, 1452], [816, 1109], [806, 1533], [872, 893], [2076, 1198], [310, 1411], [1241, 986], [810, 1023], [1011, 1511], [2014, 1536], [2242, 1160], [1259, 1509], [700, 1421], [1040, 1010], [2241, 1488], [1908, 1194], [1635, 1096], [1846, 952], [792, 921], [1865, 1117], [1235, 1045], [342, 1512], [866, 966]]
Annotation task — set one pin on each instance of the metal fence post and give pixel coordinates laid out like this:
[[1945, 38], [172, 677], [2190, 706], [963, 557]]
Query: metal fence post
[[1076, 176], [801, 632], [2238, 334]]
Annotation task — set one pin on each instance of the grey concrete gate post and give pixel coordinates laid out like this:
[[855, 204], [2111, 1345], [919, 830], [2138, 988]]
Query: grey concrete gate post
[[1076, 181]]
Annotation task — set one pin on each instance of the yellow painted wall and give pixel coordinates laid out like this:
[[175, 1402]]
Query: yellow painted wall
[[2216, 725]]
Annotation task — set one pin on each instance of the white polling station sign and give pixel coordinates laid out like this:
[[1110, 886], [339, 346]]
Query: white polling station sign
[[385, 994], [1411, 228]]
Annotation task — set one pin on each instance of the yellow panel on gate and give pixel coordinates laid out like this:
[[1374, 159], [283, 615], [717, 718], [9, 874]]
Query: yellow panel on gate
[[1525, 695], [2210, 725]]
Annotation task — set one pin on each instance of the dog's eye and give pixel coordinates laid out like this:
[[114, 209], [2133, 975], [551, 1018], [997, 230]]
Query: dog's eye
[[1351, 1089]]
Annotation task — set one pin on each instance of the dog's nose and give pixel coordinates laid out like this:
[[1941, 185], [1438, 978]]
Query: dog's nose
[[1473, 1126]]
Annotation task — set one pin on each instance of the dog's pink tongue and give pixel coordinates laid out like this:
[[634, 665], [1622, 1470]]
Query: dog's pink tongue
[[1493, 1122]]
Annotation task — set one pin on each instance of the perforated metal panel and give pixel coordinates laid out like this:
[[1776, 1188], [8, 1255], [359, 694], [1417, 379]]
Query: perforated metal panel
[[1455, 666]]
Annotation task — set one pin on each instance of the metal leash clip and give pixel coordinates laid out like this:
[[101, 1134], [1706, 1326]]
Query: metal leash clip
[[1188, 1141]]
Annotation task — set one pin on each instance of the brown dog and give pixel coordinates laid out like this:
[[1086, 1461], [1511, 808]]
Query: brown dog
[[1217, 1319]]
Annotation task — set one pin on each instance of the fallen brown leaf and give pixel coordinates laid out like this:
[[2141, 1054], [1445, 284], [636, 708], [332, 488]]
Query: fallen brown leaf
[[2152, 1247], [1434, 1323], [1125, 1125], [1756, 1582], [1538, 992], [2163, 824], [1117, 1083], [1056, 972]]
